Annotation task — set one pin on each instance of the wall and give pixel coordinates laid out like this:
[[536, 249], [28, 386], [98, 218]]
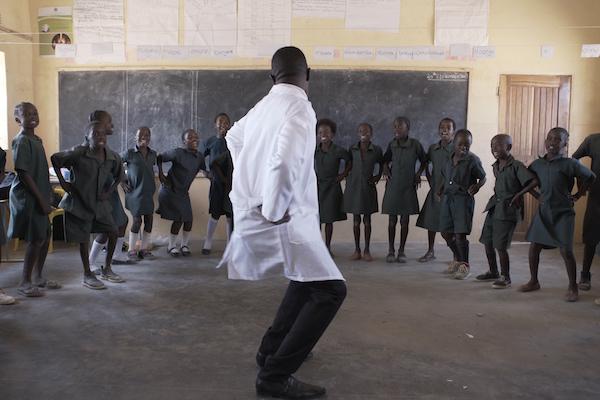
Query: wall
[[19, 61], [517, 28]]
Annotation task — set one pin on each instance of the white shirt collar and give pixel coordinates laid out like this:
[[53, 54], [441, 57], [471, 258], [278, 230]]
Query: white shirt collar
[[286, 88]]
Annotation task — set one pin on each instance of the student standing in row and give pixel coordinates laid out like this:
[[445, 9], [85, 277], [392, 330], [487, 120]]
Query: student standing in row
[[554, 222], [400, 198], [360, 196], [504, 209], [29, 201], [95, 173], [591, 230], [139, 187], [463, 177], [213, 148], [5, 299], [438, 155], [328, 159], [174, 198]]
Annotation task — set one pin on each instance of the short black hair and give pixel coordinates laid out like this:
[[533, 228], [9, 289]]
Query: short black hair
[[559, 130], [503, 136], [90, 127], [448, 119], [327, 122], [288, 62], [19, 108], [403, 119], [463, 132], [367, 125], [97, 115], [222, 115], [143, 128], [185, 132]]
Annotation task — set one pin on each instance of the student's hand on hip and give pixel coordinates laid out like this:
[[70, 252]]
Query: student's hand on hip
[[126, 187], [473, 189], [516, 202], [417, 180]]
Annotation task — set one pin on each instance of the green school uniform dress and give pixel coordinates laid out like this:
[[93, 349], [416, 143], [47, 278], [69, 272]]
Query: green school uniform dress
[[140, 174], [27, 221], [225, 164], [554, 222], [456, 212], [174, 201], [327, 169], [360, 196], [591, 221], [502, 218], [2, 168], [400, 196], [213, 147], [85, 211], [429, 217]]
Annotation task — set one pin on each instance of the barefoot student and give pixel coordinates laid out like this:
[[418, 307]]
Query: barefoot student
[[95, 172], [275, 206], [504, 209], [29, 200], [554, 221]]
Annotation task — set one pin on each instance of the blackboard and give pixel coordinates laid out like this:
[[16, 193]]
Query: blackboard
[[169, 101]]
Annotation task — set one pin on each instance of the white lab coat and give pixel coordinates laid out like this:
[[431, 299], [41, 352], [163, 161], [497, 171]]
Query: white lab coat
[[272, 149]]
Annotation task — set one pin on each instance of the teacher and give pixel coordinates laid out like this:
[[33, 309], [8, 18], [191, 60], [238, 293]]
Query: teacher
[[276, 213]]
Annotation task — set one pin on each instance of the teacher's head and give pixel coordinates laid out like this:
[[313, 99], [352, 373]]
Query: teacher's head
[[288, 65]]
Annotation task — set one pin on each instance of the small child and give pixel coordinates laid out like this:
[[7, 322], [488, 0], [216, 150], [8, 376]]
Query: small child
[[174, 198], [554, 221], [591, 232], [87, 198], [29, 200], [118, 213], [463, 177], [438, 155], [213, 148], [504, 208], [5, 299], [328, 157], [360, 196], [400, 198], [139, 187]]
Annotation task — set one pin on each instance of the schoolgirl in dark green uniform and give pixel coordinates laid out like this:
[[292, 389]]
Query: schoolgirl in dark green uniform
[[400, 198], [328, 159]]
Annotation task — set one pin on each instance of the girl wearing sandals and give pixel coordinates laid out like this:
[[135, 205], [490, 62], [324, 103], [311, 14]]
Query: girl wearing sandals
[[174, 198]]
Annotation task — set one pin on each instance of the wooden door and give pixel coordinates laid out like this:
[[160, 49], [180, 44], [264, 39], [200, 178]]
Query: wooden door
[[530, 105]]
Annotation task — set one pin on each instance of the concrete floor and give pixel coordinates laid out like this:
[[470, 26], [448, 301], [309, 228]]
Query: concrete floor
[[178, 329]]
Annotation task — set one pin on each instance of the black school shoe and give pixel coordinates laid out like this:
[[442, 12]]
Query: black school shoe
[[501, 283], [291, 388], [488, 276]]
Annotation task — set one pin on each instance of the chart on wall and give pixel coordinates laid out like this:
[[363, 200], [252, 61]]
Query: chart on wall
[[170, 101]]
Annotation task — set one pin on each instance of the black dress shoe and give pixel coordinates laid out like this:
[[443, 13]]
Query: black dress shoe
[[262, 358], [291, 388]]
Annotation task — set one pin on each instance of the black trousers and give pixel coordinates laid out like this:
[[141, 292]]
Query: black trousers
[[306, 311]]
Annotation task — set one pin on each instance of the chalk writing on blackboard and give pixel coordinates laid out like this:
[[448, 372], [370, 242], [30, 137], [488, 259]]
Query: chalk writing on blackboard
[[448, 76]]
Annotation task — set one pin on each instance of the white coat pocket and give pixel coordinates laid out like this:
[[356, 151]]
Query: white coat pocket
[[303, 228]]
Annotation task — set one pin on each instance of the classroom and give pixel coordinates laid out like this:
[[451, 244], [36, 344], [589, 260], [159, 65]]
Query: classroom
[[160, 87]]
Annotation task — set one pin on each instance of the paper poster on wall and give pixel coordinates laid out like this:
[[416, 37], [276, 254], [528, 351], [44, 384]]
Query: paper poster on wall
[[99, 21], [263, 27], [461, 21], [65, 50], [484, 52], [152, 22], [386, 54], [460, 51], [358, 53], [55, 26], [210, 22], [319, 8], [376, 15], [590, 50]]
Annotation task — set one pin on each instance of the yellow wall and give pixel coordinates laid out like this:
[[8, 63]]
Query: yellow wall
[[517, 28], [19, 62]]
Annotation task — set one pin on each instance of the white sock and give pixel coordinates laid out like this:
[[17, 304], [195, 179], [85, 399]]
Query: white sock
[[94, 251], [185, 238], [229, 228], [172, 241], [119, 249], [146, 240], [210, 231], [133, 237]]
